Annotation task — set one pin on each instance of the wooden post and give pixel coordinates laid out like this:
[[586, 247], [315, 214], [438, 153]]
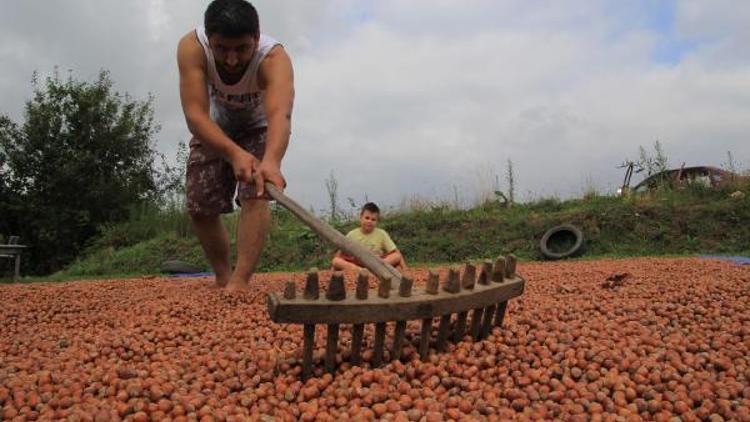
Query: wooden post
[[384, 291], [404, 290], [336, 291], [424, 338], [358, 330], [312, 291], [17, 268]]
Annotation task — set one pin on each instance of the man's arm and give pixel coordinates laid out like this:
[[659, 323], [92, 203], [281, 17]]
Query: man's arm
[[195, 105], [277, 80]]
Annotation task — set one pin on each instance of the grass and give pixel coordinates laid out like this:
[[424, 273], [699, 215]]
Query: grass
[[669, 222]]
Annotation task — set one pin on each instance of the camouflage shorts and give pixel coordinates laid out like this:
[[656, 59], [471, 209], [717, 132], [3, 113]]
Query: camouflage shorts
[[210, 185]]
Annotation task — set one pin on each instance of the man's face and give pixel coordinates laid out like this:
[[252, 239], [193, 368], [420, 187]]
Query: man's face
[[368, 220], [232, 55]]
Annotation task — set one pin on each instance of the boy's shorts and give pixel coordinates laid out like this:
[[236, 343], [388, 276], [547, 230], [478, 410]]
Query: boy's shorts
[[357, 262], [210, 184]]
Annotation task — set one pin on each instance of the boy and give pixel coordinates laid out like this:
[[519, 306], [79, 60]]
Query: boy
[[374, 239]]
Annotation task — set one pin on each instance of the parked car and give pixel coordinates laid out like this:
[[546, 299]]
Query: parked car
[[710, 177]]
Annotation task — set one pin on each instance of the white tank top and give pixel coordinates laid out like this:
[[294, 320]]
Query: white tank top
[[239, 107]]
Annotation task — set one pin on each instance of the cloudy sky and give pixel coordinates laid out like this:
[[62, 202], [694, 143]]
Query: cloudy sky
[[408, 101]]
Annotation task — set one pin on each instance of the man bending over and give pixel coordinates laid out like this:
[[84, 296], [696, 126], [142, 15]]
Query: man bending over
[[237, 91], [373, 238]]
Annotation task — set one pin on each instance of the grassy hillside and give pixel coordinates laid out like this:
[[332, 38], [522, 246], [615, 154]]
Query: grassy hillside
[[692, 221]]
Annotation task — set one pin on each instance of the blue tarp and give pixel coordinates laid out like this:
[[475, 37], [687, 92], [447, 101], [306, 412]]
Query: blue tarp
[[740, 260], [188, 275]]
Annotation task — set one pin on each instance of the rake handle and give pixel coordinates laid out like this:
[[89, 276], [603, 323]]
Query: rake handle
[[369, 260]]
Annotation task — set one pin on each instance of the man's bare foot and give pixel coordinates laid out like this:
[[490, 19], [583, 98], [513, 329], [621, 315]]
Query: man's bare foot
[[219, 283], [238, 286]]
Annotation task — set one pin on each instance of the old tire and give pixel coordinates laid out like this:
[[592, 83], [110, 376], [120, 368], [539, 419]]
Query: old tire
[[564, 241], [179, 267]]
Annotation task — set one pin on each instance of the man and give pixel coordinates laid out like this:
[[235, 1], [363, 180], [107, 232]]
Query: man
[[236, 87], [376, 240]]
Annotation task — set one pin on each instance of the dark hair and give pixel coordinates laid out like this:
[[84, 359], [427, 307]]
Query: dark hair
[[231, 18], [370, 206]]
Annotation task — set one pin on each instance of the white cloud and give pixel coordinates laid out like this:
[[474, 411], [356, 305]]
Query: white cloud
[[404, 99]]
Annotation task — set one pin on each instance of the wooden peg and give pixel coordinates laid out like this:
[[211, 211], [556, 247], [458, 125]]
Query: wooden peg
[[433, 280], [307, 350], [498, 270], [500, 313], [336, 287], [452, 283], [312, 289], [469, 276], [398, 340], [363, 284], [443, 331], [510, 267], [404, 289], [460, 329], [384, 287], [379, 345], [486, 273], [424, 338], [476, 322], [358, 330], [290, 290], [332, 342], [489, 314]]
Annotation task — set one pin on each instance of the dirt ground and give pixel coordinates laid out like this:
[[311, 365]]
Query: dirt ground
[[626, 339]]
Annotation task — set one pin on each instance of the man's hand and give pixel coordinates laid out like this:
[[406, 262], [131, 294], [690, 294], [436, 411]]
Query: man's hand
[[268, 171], [244, 165]]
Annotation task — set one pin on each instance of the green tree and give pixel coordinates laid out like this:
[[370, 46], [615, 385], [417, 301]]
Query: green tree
[[81, 158]]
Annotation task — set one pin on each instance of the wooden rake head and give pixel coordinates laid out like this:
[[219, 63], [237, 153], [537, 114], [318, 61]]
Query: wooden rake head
[[485, 295]]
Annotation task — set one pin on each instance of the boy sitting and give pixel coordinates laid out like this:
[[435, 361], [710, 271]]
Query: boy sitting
[[373, 238]]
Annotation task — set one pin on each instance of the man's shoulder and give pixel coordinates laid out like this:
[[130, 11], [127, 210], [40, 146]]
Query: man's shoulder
[[190, 50]]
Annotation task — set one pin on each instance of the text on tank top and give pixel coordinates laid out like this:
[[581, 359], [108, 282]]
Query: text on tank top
[[236, 108]]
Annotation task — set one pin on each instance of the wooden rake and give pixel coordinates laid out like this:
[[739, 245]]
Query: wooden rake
[[485, 296]]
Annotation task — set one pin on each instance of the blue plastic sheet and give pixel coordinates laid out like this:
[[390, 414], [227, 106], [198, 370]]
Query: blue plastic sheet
[[740, 260], [189, 275]]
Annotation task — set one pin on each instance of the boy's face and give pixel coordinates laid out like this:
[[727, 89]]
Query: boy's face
[[368, 220]]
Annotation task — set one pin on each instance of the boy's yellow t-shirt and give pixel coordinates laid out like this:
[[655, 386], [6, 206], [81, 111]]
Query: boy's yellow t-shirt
[[376, 241]]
